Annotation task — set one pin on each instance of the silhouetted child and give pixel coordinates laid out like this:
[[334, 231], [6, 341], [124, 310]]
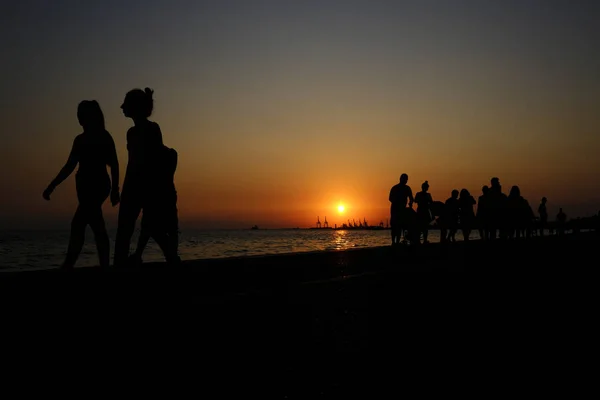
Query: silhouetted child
[[437, 211], [424, 201], [466, 213], [145, 148], [561, 222], [543, 213], [399, 195], [93, 150], [159, 219], [482, 213]]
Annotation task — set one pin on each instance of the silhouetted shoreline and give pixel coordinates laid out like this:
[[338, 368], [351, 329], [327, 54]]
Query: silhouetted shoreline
[[321, 304], [330, 264]]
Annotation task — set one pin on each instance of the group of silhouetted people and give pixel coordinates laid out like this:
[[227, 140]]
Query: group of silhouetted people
[[499, 216], [148, 185]]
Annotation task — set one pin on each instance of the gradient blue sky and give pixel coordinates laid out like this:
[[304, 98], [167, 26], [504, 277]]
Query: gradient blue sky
[[281, 110]]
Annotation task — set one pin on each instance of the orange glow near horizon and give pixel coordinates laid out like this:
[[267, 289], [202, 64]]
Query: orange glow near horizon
[[282, 114]]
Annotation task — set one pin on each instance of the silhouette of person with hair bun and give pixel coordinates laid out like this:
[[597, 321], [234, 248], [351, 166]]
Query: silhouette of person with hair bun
[[141, 190], [93, 150]]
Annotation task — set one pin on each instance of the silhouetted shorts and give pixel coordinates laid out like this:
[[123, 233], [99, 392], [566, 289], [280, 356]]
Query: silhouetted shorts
[[403, 218], [92, 190], [395, 220]]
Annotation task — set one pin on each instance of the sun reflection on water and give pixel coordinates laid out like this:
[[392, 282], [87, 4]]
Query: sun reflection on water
[[341, 240]]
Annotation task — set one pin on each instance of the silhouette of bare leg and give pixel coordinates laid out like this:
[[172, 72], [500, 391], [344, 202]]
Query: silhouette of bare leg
[[466, 234], [142, 243], [166, 245], [128, 214], [76, 239], [96, 221]]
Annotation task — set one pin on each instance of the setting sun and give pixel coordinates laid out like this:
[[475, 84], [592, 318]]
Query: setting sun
[[341, 208]]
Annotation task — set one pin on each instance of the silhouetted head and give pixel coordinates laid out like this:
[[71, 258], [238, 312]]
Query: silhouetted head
[[515, 191], [560, 210], [425, 186], [90, 115], [495, 186], [464, 193], [455, 194], [485, 189], [403, 178], [138, 103], [544, 200]]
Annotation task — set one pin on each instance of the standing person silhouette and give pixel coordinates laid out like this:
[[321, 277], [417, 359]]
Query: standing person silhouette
[[543, 212], [146, 151], [399, 195], [496, 205], [93, 150], [450, 219], [466, 214], [519, 215], [561, 222], [424, 201], [482, 213]]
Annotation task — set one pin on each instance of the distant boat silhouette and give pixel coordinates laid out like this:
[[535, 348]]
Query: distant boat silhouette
[[255, 227]]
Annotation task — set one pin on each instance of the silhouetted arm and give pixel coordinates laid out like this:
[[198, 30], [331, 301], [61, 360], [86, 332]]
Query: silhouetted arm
[[157, 136], [68, 168], [411, 199], [113, 163]]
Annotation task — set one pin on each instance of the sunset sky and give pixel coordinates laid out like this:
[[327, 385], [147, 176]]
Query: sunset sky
[[282, 110]]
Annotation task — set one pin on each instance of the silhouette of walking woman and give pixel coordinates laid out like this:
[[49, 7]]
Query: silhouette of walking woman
[[93, 150], [145, 148]]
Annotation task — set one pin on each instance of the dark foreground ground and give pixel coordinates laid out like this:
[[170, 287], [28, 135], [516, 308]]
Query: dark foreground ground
[[301, 325]]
